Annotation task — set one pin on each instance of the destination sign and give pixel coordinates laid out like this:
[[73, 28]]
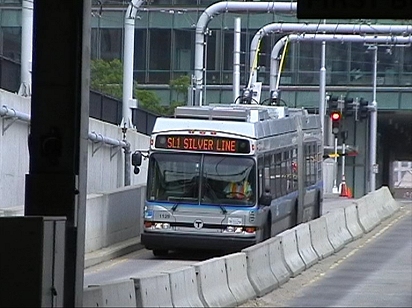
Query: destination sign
[[203, 143]]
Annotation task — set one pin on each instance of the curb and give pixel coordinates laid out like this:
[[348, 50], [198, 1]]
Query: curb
[[112, 252]]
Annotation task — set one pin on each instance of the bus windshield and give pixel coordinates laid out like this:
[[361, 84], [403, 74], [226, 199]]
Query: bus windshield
[[201, 178]]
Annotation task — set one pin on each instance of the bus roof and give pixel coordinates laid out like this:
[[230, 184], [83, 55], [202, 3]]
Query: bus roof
[[252, 121]]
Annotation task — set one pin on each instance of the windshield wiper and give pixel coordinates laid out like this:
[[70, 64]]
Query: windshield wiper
[[178, 202], [224, 211]]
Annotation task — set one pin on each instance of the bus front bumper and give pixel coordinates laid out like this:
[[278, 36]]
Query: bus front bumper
[[165, 241]]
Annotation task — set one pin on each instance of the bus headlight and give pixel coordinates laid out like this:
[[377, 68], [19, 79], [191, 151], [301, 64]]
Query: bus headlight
[[232, 229], [158, 225]]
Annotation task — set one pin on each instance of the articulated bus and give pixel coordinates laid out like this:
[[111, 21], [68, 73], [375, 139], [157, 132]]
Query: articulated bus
[[225, 177]]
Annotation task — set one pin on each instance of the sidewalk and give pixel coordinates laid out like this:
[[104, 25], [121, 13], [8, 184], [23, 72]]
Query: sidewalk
[[333, 201]]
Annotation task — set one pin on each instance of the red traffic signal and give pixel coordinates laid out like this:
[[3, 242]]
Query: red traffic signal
[[335, 116]]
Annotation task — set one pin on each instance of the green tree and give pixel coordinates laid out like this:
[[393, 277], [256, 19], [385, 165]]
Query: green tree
[[180, 85], [107, 77]]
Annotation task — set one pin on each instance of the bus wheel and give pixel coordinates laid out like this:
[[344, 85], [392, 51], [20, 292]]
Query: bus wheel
[[318, 207], [267, 230], [160, 252]]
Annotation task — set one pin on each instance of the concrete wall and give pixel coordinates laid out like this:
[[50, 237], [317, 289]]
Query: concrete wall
[[105, 163], [114, 217]]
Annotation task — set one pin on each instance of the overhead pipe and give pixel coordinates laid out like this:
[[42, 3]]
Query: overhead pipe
[[93, 136], [215, 9], [26, 47], [316, 28], [382, 39], [10, 112], [128, 53], [118, 143], [236, 59]]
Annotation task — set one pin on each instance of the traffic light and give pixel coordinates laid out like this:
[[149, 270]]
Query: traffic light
[[363, 112], [336, 118], [348, 109], [333, 104]]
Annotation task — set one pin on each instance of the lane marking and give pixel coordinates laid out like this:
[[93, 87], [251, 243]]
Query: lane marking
[[355, 250]]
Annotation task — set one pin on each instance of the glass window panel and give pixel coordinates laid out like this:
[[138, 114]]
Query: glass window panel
[[10, 18], [111, 19], [159, 77], [337, 63], [159, 53], [211, 53], [162, 19], [111, 45], [361, 64], [309, 64], [140, 38], [184, 40], [11, 44]]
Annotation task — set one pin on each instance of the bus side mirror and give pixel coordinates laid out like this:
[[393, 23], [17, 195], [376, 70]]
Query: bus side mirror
[[136, 159], [266, 198]]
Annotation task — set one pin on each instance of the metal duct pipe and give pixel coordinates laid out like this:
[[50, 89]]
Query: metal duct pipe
[[93, 136], [316, 28], [10, 112], [128, 53], [26, 47], [274, 66], [236, 59], [212, 11]]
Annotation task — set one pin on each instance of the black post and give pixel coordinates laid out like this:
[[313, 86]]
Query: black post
[[56, 183]]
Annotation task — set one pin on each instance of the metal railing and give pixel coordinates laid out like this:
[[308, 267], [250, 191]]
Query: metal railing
[[101, 107]]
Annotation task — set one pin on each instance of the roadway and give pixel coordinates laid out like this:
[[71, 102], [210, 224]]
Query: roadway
[[142, 260], [375, 270]]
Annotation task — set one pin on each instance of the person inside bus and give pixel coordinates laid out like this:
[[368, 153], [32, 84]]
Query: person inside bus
[[238, 190]]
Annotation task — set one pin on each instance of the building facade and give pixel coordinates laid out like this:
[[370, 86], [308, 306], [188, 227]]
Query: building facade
[[165, 49], [165, 43]]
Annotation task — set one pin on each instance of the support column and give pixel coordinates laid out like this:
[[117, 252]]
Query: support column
[[57, 181]]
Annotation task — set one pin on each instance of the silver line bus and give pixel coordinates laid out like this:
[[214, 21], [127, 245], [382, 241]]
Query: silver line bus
[[197, 159]]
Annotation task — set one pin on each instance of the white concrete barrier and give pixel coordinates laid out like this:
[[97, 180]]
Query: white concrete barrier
[[116, 294], [93, 297], [290, 252], [352, 221], [238, 281], [380, 198], [277, 263], [153, 291], [258, 269], [393, 206], [338, 234], [304, 244], [389, 204], [319, 238], [183, 287], [212, 283], [367, 214]]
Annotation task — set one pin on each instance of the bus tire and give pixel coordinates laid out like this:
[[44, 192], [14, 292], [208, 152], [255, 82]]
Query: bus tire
[[267, 229], [317, 207], [160, 252]]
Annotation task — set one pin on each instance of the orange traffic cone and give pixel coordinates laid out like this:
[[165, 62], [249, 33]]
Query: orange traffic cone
[[345, 190]]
